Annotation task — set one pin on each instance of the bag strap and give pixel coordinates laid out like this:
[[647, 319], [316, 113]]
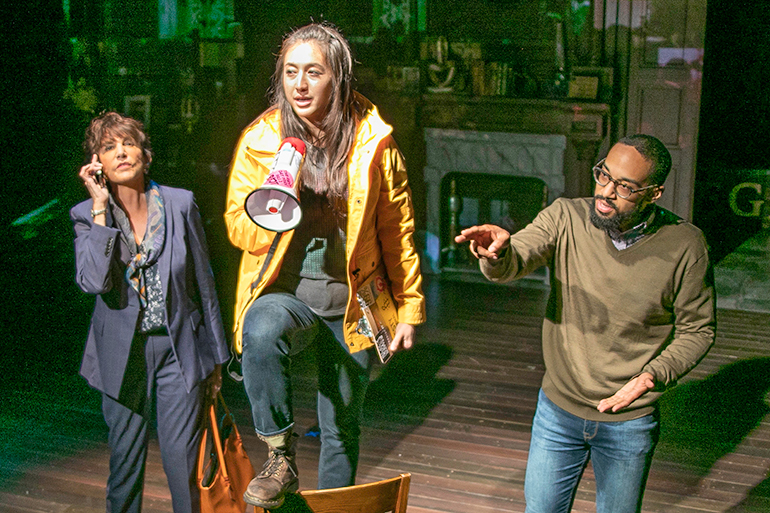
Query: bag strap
[[216, 441], [233, 426], [221, 400], [202, 454], [237, 374]]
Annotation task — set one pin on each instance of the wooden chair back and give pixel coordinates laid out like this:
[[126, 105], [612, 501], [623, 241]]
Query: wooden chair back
[[388, 495]]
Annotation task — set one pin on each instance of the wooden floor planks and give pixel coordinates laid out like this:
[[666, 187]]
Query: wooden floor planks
[[455, 412]]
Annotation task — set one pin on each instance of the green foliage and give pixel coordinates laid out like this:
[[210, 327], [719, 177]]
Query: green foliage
[[82, 96]]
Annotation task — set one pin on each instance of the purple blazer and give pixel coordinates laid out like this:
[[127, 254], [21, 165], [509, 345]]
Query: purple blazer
[[193, 318]]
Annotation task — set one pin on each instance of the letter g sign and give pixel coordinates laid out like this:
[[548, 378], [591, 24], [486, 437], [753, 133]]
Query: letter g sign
[[756, 204]]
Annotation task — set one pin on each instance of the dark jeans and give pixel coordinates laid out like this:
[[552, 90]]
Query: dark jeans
[[179, 421], [277, 327]]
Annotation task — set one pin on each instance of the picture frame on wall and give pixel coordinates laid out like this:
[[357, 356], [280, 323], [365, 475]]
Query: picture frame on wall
[[138, 107], [590, 83]]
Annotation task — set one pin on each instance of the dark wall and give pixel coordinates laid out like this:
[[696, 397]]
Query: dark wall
[[40, 138], [734, 122], [36, 125], [735, 104]]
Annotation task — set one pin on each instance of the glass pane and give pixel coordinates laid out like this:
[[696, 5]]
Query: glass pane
[[469, 215], [499, 212], [673, 32]]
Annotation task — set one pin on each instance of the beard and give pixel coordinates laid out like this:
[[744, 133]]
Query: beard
[[612, 225]]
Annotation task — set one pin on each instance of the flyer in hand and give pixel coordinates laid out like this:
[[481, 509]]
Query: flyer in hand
[[380, 314]]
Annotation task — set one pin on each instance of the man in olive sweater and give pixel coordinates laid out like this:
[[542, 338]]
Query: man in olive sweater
[[631, 310]]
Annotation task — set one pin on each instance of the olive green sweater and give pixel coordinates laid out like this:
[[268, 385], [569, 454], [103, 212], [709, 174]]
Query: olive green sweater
[[614, 314]]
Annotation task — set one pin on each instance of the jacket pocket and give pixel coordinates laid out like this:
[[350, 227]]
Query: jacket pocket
[[195, 320], [366, 262]]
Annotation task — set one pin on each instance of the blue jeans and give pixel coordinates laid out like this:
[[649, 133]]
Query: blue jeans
[[277, 326], [559, 451]]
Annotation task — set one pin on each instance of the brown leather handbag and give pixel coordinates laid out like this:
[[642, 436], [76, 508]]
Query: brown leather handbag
[[224, 468]]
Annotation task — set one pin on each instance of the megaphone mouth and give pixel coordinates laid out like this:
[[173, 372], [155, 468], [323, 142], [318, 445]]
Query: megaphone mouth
[[275, 205], [274, 208]]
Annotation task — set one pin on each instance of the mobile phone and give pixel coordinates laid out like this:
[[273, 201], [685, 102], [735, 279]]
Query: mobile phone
[[99, 177]]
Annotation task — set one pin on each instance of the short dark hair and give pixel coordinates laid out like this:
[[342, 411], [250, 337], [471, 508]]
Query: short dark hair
[[112, 124], [653, 151]]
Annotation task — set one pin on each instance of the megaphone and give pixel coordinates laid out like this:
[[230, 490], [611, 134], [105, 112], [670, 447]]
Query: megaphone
[[275, 205]]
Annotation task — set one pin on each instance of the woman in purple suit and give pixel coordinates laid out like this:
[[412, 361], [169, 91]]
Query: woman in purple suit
[[156, 334]]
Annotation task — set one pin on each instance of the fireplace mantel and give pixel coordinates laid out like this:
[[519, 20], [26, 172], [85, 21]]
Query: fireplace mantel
[[489, 153], [557, 141], [497, 153], [585, 125]]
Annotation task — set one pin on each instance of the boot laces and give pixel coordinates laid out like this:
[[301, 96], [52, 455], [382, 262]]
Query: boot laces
[[272, 465]]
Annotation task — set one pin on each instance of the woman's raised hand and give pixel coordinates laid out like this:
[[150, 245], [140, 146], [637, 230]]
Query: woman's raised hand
[[95, 183]]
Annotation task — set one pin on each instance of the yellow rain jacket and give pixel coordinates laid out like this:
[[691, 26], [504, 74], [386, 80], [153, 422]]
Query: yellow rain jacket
[[380, 223]]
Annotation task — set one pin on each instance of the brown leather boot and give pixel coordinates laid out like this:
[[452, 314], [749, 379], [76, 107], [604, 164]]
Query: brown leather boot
[[278, 476]]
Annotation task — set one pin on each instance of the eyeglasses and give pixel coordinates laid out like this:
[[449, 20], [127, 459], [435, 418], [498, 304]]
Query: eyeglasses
[[621, 189]]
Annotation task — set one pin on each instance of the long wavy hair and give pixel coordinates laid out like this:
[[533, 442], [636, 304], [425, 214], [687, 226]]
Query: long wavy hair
[[338, 128]]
